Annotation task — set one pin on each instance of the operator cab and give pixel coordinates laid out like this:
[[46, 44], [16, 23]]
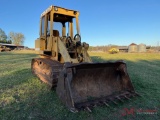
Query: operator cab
[[60, 22]]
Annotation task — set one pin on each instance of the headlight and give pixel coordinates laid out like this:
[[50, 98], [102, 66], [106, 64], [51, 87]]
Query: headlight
[[55, 8]]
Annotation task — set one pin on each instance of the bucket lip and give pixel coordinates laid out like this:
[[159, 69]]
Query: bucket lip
[[118, 62], [122, 95]]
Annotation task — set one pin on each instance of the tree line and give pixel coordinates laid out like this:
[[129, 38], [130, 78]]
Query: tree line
[[104, 48], [13, 38]]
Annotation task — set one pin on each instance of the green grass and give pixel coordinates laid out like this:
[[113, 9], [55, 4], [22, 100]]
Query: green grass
[[23, 96]]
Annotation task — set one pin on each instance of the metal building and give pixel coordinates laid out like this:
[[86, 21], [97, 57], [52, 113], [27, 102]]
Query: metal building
[[133, 48], [141, 48], [12, 46]]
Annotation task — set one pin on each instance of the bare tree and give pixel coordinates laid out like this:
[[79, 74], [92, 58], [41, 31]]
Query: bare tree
[[17, 38]]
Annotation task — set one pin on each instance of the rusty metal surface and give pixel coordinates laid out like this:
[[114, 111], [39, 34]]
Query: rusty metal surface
[[87, 84], [46, 70]]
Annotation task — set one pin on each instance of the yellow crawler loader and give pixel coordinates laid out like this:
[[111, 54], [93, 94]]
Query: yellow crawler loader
[[65, 65]]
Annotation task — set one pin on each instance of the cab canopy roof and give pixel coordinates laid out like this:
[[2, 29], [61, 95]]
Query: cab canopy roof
[[60, 10]]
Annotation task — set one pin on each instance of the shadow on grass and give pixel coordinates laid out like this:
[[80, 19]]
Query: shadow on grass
[[15, 78], [41, 103]]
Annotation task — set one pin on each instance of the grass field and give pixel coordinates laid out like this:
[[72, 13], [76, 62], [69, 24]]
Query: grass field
[[23, 96]]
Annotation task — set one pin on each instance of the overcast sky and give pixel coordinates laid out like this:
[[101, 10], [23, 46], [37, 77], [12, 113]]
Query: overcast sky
[[102, 22]]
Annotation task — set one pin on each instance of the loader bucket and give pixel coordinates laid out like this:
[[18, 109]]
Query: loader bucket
[[84, 85]]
